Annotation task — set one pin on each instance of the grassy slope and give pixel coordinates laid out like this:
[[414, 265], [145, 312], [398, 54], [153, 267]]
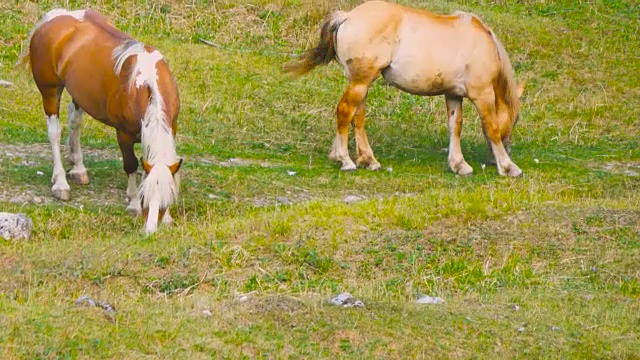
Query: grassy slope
[[562, 243]]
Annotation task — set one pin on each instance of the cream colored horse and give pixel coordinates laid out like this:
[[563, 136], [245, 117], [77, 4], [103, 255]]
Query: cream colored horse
[[423, 54]]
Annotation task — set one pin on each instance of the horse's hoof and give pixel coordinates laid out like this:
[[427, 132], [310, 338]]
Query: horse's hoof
[[348, 167], [374, 166], [79, 177], [462, 169], [514, 171], [61, 193], [167, 219], [134, 210]]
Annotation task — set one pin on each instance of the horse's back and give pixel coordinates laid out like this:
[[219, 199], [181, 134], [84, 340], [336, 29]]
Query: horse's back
[[418, 51], [64, 37], [75, 52]]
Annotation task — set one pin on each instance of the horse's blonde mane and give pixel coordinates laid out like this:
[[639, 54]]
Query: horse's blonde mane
[[156, 135]]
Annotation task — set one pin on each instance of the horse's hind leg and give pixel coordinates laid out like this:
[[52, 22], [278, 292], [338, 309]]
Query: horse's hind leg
[[485, 104], [78, 172], [363, 149], [51, 104], [130, 165], [349, 104], [456, 160]]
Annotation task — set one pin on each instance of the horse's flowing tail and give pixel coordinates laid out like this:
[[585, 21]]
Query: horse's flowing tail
[[325, 50]]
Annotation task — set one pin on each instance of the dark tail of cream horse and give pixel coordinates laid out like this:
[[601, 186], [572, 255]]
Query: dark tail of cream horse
[[423, 54]]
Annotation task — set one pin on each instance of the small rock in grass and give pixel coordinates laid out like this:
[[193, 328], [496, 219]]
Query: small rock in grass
[[521, 329], [39, 173], [536, 161], [5, 83], [555, 328], [516, 307], [350, 199], [426, 299], [206, 312], [15, 226], [283, 200], [390, 169], [346, 300], [85, 300]]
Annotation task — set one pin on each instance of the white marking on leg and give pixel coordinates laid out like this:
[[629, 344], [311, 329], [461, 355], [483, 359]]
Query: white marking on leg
[[456, 160], [338, 153], [134, 206], [505, 166], [78, 172], [167, 219], [60, 187]]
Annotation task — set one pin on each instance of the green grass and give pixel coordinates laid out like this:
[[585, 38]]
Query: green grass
[[544, 266]]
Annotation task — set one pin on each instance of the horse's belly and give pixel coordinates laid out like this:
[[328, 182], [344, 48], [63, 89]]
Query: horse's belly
[[421, 81]]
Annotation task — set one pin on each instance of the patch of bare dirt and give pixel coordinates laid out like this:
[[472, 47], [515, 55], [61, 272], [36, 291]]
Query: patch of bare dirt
[[38, 191], [625, 168]]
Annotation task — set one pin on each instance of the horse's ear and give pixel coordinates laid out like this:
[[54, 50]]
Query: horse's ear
[[521, 88], [175, 167], [146, 166]]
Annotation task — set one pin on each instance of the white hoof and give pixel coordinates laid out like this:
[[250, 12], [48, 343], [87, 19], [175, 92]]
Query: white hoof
[[374, 166], [461, 168], [167, 219], [348, 167], [134, 209], [79, 177], [61, 192], [514, 171], [511, 171]]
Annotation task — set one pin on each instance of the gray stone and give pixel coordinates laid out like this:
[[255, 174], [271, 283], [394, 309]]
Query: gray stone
[[15, 226], [426, 299], [350, 199], [346, 300], [283, 200]]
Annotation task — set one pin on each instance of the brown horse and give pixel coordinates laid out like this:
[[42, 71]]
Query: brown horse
[[120, 82], [423, 54]]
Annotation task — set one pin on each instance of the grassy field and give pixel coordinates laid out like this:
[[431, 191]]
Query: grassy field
[[543, 266]]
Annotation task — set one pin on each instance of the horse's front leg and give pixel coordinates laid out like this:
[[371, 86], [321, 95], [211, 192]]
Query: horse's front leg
[[485, 104], [456, 160], [78, 172], [130, 166]]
